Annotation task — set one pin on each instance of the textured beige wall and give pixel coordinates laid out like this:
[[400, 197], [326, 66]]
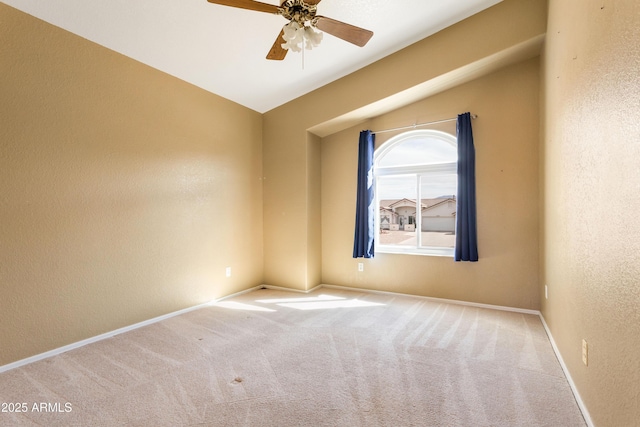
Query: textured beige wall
[[124, 192], [286, 209], [591, 187], [289, 217], [506, 139]]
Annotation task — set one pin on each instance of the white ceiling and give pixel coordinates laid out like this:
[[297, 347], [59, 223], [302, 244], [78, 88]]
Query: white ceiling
[[222, 49]]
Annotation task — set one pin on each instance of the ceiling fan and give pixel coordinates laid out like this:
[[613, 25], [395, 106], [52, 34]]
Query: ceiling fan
[[302, 20]]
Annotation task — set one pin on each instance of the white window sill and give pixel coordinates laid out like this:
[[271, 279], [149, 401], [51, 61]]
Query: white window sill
[[426, 251]]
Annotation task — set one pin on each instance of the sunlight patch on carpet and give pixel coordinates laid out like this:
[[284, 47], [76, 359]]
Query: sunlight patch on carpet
[[318, 303], [234, 305]]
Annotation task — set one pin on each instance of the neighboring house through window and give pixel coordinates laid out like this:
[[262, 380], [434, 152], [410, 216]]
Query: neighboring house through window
[[415, 186]]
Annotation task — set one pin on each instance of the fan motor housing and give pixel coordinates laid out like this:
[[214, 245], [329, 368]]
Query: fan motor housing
[[298, 10]]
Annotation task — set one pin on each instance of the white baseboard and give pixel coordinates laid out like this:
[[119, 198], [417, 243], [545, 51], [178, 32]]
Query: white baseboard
[[280, 288], [572, 385], [73, 346], [246, 291], [441, 300], [576, 395], [60, 350]]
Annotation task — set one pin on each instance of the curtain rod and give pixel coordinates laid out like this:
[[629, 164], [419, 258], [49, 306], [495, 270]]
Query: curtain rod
[[473, 116]]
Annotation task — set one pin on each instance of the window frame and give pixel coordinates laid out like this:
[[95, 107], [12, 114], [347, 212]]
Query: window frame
[[419, 171]]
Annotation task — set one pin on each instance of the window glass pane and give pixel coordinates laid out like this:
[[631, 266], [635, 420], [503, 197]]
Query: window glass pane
[[397, 206], [438, 192], [419, 150]]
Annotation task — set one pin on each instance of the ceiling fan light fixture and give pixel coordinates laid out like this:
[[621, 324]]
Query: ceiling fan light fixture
[[304, 29], [312, 38], [295, 35]]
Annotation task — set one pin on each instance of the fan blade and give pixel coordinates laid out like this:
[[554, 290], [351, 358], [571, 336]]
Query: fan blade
[[277, 52], [347, 32], [248, 4]]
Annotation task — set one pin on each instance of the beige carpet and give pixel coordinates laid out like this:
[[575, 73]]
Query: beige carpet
[[330, 358]]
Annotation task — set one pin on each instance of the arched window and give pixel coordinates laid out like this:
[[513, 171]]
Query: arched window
[[415, 186]]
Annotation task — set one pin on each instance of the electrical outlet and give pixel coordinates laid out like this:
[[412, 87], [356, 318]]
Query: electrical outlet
[[228, 272], [360, 266], [585, 352], [546, 292]]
